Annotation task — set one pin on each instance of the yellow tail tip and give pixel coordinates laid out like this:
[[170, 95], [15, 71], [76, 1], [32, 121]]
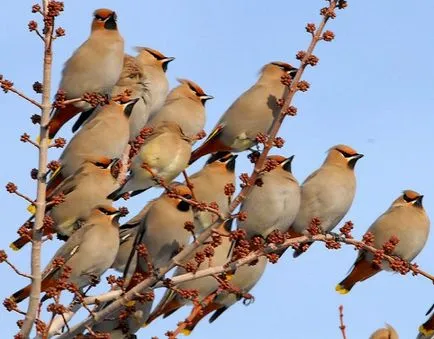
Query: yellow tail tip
[[32, 209], [341, 290], [145, 324], [425, 332], [38, 140], [130, 303], [229, 276], [186, 332], [13, 247]]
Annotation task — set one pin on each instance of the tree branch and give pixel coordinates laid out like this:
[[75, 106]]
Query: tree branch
[[41, 186], [341, 321]]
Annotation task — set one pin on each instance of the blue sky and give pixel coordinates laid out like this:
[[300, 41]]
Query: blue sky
[[372, 90]]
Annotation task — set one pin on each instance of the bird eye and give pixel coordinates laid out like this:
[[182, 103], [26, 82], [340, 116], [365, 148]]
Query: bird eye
[[345, 154], [407, 199], [99, 18], [187, 196]]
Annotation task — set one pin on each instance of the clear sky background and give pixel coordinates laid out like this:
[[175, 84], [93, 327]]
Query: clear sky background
[[373, 90]]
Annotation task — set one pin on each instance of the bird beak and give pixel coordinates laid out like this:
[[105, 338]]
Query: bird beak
[[286, 164], [206, 97], [230, 164], [110, 22], [167, 60], [418, 201], [352, 161], [129, 105]]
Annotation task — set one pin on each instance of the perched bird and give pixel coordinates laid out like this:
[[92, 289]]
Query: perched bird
[[105, 135], [385, 333], [273, 205], [172, 301], [100, 231], [244, 279], [252, 113], [164, 154], [185, 105], [153, 65], [405, 219], [132, 79], [327, 194], [94, 67], [162, 230], [86, 189], [209, 186], [426, 330]]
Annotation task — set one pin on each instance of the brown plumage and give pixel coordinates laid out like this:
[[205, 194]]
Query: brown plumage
[[252, 113], [94, 67], [405, 219]]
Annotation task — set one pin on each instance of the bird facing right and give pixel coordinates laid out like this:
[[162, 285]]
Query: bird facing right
[[184, 105], [405, 219], [252, 113], [153, 65], [94, 67], [328, 193]]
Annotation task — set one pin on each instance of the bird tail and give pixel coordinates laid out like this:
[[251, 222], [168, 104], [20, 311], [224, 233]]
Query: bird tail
[[84, 116], [116, 194], [46, 283], [198, 313], [55, 180], [22, 294], [169, 304], [19, 243], [217, 313], [60, 117], [211, 145], [362, 270]]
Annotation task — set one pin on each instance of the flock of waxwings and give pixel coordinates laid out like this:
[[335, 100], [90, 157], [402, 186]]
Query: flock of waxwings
[[88, 222]]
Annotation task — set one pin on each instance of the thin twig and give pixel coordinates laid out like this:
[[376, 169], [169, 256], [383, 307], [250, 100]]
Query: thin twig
[[25, 197], [341, 320], [17, 271], [25, 97], [189, 184]]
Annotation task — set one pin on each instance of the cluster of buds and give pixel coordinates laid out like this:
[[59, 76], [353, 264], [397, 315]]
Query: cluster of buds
[[37, 87], [389, 246], [229, 189], [314, 227], [346, 229], [254, 156], [11, 187], [270, 164], [5, 85], [36, 119], [368, 239], [401, 266], [139, 141], [59, 143], [53, 165], [57, 199], [95, 99], [244, 177], [59, 99], [123, 97], [123, 211]]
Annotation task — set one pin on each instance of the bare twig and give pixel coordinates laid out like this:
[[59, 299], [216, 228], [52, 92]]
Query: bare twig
[[17, 271], [341, 321], [25, 97]]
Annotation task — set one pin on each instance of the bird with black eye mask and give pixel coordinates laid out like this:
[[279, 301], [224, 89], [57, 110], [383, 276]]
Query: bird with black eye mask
[[252, 113], [185, 105], [94, 67], [328, 193]]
